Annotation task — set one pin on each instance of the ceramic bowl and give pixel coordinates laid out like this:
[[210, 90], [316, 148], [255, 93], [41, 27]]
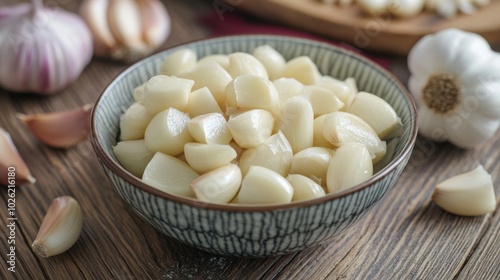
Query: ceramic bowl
[[245, 230]]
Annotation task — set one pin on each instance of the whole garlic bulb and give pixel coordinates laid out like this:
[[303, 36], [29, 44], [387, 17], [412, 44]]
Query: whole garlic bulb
[[126, 30], [455, 79], [43, 49]]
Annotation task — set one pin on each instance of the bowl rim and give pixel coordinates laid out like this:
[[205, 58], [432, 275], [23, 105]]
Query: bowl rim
[[116, 168]]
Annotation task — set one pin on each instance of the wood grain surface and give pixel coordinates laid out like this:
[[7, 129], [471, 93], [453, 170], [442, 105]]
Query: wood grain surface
[[406, 236]]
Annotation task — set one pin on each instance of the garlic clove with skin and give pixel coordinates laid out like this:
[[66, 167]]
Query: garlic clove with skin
[[60, 228], [126, 30], [467, 194], [44, 50], [60, 129], [11, 161]]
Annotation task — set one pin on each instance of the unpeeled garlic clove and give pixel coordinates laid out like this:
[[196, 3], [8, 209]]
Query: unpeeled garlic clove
[[218, 186], [11, 161], [60, 228], [467, 194], [126, 30], [60, 129]]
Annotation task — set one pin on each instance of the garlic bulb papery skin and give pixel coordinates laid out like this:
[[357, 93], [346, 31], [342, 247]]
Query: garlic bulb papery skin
[[455, 79], [43, 49], [126, 30]]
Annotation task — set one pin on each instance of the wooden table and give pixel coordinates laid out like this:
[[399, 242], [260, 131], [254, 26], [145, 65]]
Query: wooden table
[[406, 236]]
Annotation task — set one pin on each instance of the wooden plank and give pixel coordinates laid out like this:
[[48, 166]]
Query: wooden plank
[[385, 34]]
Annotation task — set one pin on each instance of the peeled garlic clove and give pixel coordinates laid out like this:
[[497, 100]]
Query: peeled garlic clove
[[389, 155], [239, 151], [322, 100], [318, 137], [340, 128], [133, 122], [168, 132], [162, 92], [61, 129], [353, 87], [303, 69], [313, 163], [251, 92], [60, 228], [272, 60], [339, 88], [251, 128], [210, 129], [201, 101], [376, 112], [169, 174], [207, 157], [11, 162], [178, 62], [304, 188], [296, 120], [212, 76], [275, 153], [138, 93], [133, 156], [246, 64], [467, 194], [287, 88], [221, 59], [350, 165], [264, 186], [218, 186]]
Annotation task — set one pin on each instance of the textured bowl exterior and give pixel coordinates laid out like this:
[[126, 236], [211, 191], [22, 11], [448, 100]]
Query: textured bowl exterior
[[253, 231]]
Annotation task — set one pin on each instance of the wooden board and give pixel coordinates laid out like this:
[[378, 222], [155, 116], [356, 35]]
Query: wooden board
[[385, 34]]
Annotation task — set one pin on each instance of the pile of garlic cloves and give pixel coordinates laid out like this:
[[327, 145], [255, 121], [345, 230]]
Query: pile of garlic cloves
[[408, 8]]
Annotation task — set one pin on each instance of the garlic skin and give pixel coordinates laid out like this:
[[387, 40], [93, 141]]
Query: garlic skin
[[60, 129], [455, 81], [126, 30], [43, 49], [467, 194], [60, 228], [11, 159]]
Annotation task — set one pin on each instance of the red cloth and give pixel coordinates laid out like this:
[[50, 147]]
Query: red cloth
[[235, 23]]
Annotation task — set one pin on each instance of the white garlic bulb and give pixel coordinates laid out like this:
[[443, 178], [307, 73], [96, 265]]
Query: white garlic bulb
[[43, 49], [126, 30], [454, 79]]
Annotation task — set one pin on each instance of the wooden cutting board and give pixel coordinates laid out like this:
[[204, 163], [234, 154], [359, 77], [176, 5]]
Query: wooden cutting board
[[386, 34]]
